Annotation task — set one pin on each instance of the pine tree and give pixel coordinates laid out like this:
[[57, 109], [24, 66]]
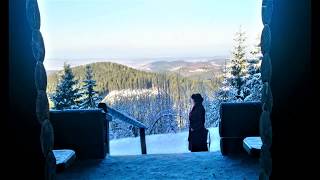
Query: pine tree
[[234, 78], [226, 92], [90, 96], [255, 61], [67, 94], [253, 85], [238, 62]]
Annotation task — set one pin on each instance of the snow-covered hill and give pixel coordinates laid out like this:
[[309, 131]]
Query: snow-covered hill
[[160, 144], [202, 69], [116, 94]]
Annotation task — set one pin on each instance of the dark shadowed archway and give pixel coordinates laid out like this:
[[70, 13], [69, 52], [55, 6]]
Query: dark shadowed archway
[[284, 88]]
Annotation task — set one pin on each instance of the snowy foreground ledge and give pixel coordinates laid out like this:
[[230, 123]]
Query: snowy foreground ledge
[[168, 159], [184, 166], [160, 144]]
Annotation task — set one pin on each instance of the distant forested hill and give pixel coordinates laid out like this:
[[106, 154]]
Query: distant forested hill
[[112, 76], [204, 69]]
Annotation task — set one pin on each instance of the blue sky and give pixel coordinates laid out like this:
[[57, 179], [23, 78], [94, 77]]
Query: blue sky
[[131, 29]]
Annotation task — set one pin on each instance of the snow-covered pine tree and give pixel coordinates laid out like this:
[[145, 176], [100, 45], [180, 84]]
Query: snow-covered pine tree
[[67, 94], [226, 92], [254, 62], [234, 76], [238, 63], [253, 85], [90, 97]]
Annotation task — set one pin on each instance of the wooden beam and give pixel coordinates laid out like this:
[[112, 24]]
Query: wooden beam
[[121, 116]]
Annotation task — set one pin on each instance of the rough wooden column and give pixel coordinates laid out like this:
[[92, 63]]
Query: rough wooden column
[[40, 81], [294, 99], [27, 160], [266, 72], [107, 125]]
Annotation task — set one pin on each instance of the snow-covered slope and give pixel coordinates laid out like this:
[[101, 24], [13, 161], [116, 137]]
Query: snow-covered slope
[[116, 94], [160, 144]]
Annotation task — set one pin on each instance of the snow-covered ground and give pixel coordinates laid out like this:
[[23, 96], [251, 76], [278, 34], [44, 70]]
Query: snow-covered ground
[[184, 166], [160, 144], [168, 158]]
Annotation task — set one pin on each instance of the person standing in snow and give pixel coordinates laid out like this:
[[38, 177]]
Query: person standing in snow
[[197, 132]]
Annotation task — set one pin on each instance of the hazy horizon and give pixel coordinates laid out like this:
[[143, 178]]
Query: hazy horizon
[[57, 64]]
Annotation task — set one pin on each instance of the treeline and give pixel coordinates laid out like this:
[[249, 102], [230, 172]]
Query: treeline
[[112, 76], [109, 76]]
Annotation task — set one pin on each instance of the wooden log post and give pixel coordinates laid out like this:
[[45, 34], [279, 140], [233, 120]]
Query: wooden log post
[[107, 126], [143, 141], [107, 140]]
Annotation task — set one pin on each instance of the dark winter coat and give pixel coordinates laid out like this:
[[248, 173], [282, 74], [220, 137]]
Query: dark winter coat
[[198, 137]]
